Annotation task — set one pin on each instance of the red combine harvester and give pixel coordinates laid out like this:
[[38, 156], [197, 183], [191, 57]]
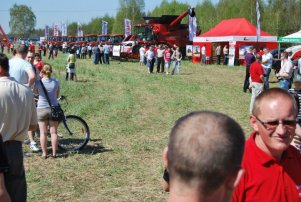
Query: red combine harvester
[[166, 29], [91, 39], [3, 37]]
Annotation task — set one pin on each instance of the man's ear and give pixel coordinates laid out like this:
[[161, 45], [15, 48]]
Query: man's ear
[[253, 122], [165, 157]]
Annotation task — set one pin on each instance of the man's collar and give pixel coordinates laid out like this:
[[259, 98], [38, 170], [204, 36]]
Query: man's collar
[[262, 157]]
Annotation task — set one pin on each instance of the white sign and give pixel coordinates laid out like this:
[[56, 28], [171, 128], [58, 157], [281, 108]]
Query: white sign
[[116, 51], [231, 53]]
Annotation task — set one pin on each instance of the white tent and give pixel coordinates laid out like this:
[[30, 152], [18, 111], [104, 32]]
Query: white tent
[[292, 38]]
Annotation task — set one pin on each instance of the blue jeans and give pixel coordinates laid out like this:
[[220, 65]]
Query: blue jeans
[[107, 58], [176, 64], [267, 72], [96, 58], [284, 83]]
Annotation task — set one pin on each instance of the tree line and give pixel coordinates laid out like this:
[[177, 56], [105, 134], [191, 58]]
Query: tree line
[[278, 17]]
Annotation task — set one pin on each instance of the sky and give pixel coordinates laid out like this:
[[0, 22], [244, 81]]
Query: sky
[[48, 12]]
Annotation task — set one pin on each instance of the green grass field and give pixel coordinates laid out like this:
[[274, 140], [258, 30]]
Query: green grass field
[[130, 114]]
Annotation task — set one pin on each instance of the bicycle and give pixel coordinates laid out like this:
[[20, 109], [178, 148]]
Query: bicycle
[[73, 132]]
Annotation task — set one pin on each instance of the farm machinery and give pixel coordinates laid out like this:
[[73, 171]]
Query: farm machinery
[[166, 29]]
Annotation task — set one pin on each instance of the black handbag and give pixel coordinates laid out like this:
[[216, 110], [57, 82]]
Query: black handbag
[[57, 113]]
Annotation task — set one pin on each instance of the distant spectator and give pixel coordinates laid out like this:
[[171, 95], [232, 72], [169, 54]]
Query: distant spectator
[[285, 74], [176, 57], [218, 54], [249, 58], [89, 48], [106, 52], [167, 59], [160, 59], [226, 53], [38, 63], [96, 53], [71, 66], [204, 157], [84, 52], [257, 78], [150, 59], [50, 49], [267, 61], [141, 54]]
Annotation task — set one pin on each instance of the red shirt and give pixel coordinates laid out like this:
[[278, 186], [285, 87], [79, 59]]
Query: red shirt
[[39, 65], [268, 180], [167, 56], [256, 71]]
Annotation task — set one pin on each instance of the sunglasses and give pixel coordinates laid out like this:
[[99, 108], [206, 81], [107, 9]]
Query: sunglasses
[[272, 125]]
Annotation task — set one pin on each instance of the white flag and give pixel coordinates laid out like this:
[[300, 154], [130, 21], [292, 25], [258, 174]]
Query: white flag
[[80, 31], [192, 27], [127, 27], [258, 20], [64, 29], [104, 27]]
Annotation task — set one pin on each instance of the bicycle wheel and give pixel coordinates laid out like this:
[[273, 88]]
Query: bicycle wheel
[[73, 134]]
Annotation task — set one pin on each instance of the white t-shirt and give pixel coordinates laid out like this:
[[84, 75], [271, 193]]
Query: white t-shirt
[[142, 51], [287, 67], [160, 53], [18, 69], [269, 58]]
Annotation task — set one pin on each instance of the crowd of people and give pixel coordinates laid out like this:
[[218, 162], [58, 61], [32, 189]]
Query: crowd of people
[[207, 157], [21, 76], [161, 56], [258, 69]]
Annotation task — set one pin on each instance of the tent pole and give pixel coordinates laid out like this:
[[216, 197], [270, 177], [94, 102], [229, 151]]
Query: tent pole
[[278, 50]]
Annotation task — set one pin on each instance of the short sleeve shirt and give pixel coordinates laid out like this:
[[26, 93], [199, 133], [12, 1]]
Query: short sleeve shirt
[[267, 179], [18, 69], [18, 110], [256, 71]]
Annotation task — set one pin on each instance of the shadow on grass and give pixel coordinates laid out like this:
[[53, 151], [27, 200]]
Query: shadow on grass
[[93, 147]]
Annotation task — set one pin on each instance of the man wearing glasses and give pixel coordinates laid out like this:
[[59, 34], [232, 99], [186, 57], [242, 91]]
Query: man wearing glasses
[[272, 166]]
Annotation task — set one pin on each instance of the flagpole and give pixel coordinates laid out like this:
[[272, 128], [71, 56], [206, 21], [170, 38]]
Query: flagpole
[[258, 23]]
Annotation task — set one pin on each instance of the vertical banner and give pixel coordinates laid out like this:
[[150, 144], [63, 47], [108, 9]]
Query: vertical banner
[[127, 27], [80, 31], [258, 20], [232, 45], [46, 31], [64, 29], [192, 27], [56, 29], [104, 27]]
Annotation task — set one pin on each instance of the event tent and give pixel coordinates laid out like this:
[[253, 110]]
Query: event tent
[[292, 38], [238, 32]]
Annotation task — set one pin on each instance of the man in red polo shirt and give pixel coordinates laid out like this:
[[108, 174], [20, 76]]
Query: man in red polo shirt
[[272, 166], [257, 78]]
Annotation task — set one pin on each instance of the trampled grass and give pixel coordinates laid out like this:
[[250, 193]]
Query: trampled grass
[[129, 113]]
